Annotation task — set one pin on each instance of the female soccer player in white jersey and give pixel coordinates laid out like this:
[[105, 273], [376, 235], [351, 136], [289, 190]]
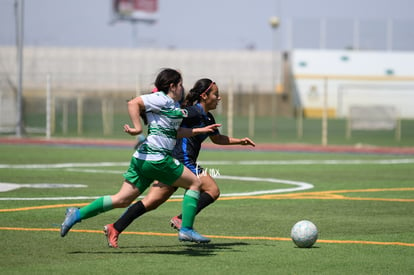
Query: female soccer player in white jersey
[[153, 160], [202, 98]]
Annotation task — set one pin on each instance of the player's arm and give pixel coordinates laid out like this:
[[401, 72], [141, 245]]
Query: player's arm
[[189, 132], [135, 106], [226, 140]]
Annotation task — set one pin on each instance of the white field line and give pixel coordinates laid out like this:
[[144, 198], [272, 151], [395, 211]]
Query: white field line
[[248, 162], [62, 165], [298, 186], [308, 162], [81, 167]]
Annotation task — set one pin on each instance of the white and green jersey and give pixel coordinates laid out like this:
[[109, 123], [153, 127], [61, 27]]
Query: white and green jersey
[[164, 118]]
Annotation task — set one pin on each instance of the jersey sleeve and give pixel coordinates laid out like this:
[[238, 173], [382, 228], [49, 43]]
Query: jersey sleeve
[[153, 102], [192, 119]]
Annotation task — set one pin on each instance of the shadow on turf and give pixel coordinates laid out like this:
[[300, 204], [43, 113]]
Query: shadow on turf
[[187, 249], [200, 249]]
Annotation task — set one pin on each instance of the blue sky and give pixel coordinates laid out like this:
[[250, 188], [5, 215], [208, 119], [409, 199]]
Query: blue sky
[[215, 24]]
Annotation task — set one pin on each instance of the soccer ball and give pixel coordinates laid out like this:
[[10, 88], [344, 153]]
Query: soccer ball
[[304, 234]]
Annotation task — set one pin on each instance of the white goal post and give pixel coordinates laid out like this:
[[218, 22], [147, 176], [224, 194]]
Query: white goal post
[[373, 117]]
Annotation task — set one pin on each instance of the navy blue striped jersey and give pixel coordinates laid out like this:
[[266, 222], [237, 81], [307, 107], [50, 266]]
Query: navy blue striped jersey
[[187, 150]]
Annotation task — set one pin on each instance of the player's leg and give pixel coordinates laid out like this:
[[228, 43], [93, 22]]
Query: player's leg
[[123, 198], [209, 193], [157, 195], [189, 206]]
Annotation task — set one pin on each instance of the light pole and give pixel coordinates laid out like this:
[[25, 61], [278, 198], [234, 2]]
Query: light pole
[[19, 6], [274, 24]]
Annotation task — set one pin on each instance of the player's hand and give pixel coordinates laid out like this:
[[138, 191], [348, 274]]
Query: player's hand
[[131, 131], [247, 141], [210, 128]]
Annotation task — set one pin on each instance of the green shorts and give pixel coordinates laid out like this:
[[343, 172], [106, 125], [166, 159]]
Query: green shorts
[[142, 173]]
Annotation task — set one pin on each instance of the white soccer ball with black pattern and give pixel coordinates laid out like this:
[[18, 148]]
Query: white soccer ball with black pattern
[[304, 234]]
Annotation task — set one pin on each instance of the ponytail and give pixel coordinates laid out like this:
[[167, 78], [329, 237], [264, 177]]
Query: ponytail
[[201, 86]]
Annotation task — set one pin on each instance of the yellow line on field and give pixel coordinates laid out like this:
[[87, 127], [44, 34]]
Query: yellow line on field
[[328, 195], [43, 207], [366, 242], [321, 195], [213, 236]]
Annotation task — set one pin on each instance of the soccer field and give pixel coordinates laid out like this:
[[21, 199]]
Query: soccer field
[[362, 204]]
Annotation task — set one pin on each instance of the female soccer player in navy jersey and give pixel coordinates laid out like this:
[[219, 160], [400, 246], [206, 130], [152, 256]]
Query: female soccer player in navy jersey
[[202, 98]]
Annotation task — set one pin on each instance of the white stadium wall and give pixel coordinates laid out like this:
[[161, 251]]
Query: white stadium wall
[[349, 78], [124, 69], [82, 73]]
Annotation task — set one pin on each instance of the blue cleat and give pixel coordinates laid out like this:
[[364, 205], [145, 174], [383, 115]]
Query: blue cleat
[[72, 217], [190, 235]]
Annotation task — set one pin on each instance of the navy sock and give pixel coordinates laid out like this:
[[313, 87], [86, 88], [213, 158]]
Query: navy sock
[[132, 213]]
